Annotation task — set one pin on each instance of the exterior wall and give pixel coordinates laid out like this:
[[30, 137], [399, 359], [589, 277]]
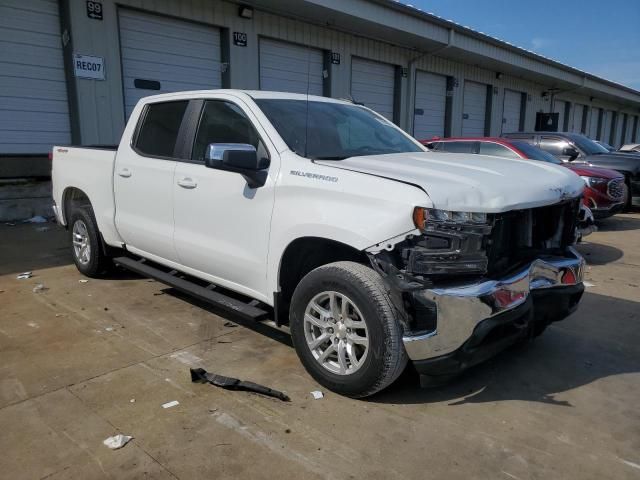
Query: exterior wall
[[100, 103]]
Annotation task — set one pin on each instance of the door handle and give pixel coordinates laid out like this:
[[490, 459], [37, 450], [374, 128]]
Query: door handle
[[187, 183], [124, 172]]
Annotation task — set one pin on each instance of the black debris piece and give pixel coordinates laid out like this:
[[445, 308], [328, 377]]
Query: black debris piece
[[230, 324], [200, 375]]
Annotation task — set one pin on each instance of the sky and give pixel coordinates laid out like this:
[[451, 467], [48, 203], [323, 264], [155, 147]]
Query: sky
[[599, 37]]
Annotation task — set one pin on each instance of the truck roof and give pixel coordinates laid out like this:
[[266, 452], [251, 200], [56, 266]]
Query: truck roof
[[255, 94]]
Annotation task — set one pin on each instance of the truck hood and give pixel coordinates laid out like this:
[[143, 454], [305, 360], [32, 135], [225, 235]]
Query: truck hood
[[476, 183]]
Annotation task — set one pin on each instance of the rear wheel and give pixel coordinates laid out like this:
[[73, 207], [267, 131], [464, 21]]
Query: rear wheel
[[345, 330], [86, 247]]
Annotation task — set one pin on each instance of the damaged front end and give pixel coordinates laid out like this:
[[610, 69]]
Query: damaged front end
[[474, 282]]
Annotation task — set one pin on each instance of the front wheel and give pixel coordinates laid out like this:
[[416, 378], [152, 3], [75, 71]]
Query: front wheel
[[345, 330]]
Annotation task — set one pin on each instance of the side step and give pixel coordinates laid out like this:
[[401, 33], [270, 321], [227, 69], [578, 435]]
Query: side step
[[207, 294]]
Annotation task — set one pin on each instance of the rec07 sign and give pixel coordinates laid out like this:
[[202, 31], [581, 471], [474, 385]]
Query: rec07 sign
[[87, 66]]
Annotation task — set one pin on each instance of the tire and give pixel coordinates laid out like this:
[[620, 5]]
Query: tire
[[629, 198], [359, 372], [93, 262]]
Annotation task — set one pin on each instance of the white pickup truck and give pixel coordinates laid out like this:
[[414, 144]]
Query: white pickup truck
[[325, 216]]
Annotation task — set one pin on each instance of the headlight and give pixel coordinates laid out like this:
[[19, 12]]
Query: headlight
[[594, 181], [423, 216], [452, 242]]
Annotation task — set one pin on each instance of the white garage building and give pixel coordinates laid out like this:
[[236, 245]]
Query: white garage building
[[72, 70]]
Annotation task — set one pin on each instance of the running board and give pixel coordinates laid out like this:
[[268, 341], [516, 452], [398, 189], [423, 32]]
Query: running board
[[206, 294]]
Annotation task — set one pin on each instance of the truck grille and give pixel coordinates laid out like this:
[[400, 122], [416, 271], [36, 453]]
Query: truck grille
[[520, 236], [615, 189]]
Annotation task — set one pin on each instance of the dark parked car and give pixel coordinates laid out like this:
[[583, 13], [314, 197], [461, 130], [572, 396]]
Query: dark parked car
[[604, 191], [576, 148]]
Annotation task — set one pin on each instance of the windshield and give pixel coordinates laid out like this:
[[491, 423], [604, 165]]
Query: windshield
[[334, 131], [535, 153], [587, 145]]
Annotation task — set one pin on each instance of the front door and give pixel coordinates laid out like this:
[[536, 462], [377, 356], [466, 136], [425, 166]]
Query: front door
[[143, 181], [221, 225]]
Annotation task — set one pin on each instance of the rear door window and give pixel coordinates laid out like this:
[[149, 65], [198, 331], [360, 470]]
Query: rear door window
[[158, 132], [553, 145], [459, 147], [497, 150]]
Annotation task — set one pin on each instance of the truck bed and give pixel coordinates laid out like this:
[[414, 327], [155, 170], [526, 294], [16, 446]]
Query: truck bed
[[89, 169]]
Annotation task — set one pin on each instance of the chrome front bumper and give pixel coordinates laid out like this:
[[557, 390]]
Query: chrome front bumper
[[461, 308]]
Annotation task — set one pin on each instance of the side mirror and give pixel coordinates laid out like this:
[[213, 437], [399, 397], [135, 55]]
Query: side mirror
[[240, 158], [570, 152]]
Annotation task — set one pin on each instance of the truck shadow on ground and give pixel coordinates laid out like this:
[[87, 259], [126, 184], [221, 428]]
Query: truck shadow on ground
[[597, 342], [620, 222], [598, 254]]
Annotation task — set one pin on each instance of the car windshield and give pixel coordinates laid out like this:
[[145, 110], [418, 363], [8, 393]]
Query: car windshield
[[334, 131], [587, 145], [535, 153]]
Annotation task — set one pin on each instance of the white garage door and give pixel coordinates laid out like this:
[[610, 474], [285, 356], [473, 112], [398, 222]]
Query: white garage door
[[372, 83], [166, 55], [559, 107], [474, 109], [578, 113], [34, 113], [511, 111], [429, 105], [286, 67], [593, 123]]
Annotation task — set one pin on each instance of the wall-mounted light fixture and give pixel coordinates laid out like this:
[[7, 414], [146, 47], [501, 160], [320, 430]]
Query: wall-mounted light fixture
[[499, 75], [245, 12]]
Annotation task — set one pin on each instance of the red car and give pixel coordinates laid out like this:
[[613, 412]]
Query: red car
[[604, 192]]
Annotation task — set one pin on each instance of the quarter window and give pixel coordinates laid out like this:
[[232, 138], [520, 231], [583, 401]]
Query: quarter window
[[224, 122], [158, 132]]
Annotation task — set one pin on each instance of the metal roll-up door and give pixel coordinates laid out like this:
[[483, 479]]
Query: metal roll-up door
[[161, 54], [287, 67], [373, 84], [511, 111], [34, 111], [429, 105], [606, 126], [559, 107], [593, 123], [576, 124], [474, 109]]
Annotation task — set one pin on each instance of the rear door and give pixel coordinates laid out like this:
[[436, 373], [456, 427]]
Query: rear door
[[143, 180], [221, 224]]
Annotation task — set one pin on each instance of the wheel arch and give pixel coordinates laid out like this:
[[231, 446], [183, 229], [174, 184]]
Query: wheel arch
[[73, 197], [301, 256]]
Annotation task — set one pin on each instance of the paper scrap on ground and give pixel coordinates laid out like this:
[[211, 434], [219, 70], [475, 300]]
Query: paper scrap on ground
[[317, 394], [170, 404], [117, 441], [24, 275], [84, 280], [39, 288]]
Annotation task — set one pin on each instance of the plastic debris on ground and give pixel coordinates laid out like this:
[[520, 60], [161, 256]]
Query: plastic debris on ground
[[170, 404], [230, 324], [317, 394], [117, 441], [24, 275], [39, 288], [200, 375], [84, 280], [588, 284], [133, 400], [36, 219]]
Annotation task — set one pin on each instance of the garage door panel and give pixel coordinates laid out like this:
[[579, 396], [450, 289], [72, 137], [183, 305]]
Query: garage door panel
[[430, 100], [474, 109], [180, 55], [578, 112], [34, 112], [512, 107], [287, 67], [373, 83], [559, 107]]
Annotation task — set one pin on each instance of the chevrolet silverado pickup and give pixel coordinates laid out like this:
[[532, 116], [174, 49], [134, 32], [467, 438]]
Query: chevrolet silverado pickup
[[326, 217]]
